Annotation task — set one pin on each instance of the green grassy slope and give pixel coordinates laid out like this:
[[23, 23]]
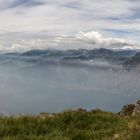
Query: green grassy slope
[[71, 125]]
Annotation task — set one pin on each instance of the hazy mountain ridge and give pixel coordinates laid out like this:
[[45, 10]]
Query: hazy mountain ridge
[[123, 58], [82, 53], [133, 61]]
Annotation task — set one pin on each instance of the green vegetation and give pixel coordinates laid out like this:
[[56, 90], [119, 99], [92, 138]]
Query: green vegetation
[[71, 125]]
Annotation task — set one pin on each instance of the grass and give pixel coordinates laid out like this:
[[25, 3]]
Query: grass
[[71, 125]]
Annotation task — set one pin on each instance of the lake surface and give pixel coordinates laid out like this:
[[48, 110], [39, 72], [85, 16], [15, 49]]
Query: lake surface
[[53, 87]]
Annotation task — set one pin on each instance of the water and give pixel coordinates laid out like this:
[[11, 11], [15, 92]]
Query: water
[[30, 89]]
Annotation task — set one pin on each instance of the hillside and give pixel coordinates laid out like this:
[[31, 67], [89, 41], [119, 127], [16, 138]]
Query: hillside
[[71, 125]]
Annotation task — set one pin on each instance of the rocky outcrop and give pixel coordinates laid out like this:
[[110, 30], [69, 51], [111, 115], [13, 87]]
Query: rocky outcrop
[[136, 110], [127, 110], [131, 109]]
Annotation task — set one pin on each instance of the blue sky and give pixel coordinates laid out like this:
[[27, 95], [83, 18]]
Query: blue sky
[[22, 19]]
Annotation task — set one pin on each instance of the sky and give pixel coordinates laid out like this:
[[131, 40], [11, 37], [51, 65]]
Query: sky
[[32, 24]]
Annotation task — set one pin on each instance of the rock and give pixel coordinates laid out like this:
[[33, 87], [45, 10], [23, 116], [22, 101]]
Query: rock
[[127, 110], [44, 115], [131, 110], [81, 110], [136, 110]]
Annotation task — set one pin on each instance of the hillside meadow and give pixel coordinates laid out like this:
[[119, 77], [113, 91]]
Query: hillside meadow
[[71, 125]]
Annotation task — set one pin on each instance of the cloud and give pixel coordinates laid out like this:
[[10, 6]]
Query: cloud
[[82, 40], [25, 3], [44, 15], [96, 38], [8, 4], [31, 18]]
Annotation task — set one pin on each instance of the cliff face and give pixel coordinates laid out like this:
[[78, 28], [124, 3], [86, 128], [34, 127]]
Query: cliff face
[[131, 109]]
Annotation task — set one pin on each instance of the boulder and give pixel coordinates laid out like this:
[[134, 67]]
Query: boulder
[[127, 110], [136, 110], [131, 110]]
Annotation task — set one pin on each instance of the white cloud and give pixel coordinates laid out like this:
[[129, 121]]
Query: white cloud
[[96, 38], [57, 17], [83, 40], [53, 15]]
